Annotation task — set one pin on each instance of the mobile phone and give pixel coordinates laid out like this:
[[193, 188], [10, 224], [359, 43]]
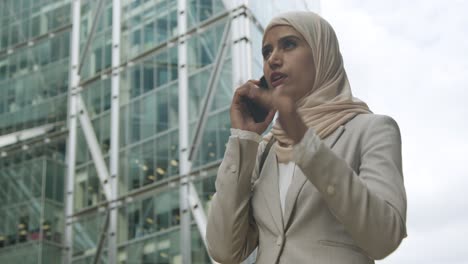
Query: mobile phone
[[258, 112]]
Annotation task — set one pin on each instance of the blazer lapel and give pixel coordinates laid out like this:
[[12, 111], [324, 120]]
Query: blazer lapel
[[299, 179], [270, 189]]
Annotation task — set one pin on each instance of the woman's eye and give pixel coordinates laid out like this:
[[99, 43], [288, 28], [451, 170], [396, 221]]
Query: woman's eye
[[266, 53], [288, 44]]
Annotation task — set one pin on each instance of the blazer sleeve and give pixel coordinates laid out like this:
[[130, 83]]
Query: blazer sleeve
[[370, 203], [231, 232]]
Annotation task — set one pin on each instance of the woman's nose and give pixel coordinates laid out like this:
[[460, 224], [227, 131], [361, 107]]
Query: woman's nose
[[275, 60]]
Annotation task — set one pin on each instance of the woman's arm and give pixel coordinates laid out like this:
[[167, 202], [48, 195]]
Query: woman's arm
[[231, 231], [371, 204]]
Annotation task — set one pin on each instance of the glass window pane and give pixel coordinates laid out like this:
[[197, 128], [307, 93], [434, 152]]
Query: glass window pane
[[162, 115], [161, 29], [162, 157], [136, 37], [148, 219], [107, 94], [161, 69], [148, 75], [108, 56], [123, 135], [224, 132], [208, 145], [174, 153], [223, 93], [174, 105], [192, 13], [134, 172], [135, 82], [50, 181], [173, 22], [97, 59], [149, 34], [55, 49], [197, 91], [123, 172], [135, 121], [105, 133], [92, 191], [173, 63], [199, 253], [135, 220], [206, 9], [148, 116], [148, 161]]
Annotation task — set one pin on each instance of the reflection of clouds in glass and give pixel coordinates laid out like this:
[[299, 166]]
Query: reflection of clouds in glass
[[408, 60]]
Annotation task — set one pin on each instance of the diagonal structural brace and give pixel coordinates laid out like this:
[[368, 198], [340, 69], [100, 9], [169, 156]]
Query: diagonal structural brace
[[214, 77], [94, 148]]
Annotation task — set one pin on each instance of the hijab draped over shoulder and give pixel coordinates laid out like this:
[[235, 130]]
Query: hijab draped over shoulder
[[329, 103]]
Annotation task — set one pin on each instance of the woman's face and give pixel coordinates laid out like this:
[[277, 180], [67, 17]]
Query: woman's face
[[287, 62]]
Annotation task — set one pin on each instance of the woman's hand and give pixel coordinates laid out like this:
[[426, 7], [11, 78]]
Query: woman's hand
[[240, 115], [288, 117]]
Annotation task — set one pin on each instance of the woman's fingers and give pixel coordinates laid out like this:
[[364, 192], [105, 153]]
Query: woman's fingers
[[241, 116], [268, 119], [263, 97]]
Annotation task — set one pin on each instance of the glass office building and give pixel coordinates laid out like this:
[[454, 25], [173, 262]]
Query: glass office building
[[114, 116]]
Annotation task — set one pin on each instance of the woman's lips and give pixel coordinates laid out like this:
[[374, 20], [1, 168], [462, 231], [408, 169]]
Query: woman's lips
[[278, 82]]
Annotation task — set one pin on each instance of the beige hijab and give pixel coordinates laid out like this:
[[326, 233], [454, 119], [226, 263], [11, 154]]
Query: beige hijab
[[330, 103]]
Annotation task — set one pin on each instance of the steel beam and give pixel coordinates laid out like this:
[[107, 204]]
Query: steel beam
[[184, 162], [115, 129], [13, 138], [72, 127], [241, 47]]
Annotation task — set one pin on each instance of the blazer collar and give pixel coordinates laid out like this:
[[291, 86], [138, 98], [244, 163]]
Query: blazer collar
[[299, 179], [270, 190], [270, 186]]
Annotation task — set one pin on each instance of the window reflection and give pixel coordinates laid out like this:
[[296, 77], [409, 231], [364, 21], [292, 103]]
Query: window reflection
[[31, 195], [150, 215]]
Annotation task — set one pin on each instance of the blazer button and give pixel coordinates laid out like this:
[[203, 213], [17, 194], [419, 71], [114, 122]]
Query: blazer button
[[279, 241], [233, 168], [330, 190]]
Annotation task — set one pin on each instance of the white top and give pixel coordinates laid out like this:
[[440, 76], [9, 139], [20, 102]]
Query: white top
[[286, 173]]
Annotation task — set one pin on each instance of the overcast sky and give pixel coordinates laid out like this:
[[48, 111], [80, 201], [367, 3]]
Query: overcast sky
[[409, 60]]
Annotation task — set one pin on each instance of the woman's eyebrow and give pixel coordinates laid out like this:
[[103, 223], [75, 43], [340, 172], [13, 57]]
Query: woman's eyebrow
[[288, 37], [282, 39]]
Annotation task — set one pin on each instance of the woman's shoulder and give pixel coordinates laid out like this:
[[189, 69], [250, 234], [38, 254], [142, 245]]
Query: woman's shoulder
[[369, 121], [366, 126]]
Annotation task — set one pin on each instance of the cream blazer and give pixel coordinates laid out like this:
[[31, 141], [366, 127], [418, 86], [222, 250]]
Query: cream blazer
[[346, 204]]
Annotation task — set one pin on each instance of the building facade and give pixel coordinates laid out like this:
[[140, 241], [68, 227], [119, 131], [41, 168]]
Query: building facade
[[114, 116]]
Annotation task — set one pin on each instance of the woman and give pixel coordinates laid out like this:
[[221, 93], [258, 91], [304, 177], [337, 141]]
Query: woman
[[331, 188]]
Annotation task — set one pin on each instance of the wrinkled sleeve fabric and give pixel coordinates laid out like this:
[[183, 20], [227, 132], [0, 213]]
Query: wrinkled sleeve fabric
[[370, 202], [231, 230], [244, 134]]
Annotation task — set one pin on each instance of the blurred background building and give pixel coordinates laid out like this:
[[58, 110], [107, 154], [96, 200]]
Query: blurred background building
[[114, 116]]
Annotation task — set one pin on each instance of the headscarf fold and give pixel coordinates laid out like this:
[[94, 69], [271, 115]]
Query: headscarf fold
[[329, 103]]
